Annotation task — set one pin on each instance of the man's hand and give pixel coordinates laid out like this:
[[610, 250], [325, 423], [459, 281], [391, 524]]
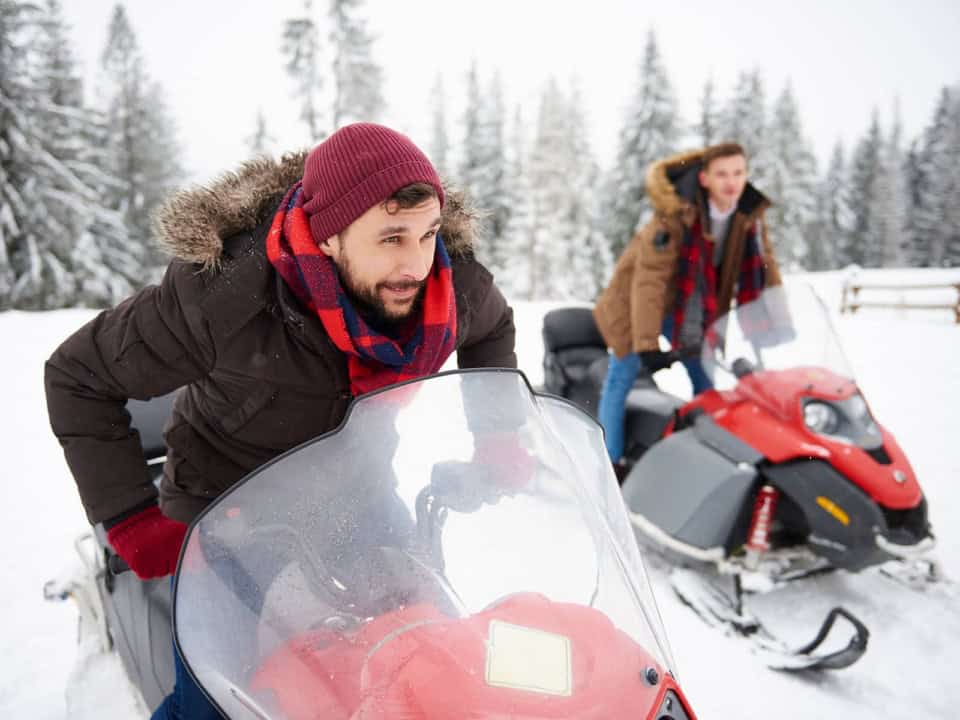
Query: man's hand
[[149, 542], [513, 463]]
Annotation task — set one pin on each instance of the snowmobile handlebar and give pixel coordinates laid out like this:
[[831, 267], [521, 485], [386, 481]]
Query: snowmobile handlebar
[[655, 360], [116, 564]]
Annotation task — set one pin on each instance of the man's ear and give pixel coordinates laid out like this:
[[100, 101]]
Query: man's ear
[[701, 176], [330, 247]]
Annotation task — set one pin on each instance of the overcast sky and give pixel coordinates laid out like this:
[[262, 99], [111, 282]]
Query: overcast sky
[[219, 61]]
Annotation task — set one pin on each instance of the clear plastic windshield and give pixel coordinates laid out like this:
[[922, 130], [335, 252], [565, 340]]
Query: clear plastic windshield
[[460, 527], [785, 327]]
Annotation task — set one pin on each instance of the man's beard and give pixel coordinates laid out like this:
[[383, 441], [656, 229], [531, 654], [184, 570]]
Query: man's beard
[[366, 301]]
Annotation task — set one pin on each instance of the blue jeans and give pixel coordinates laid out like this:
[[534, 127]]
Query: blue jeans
[[621, 375]]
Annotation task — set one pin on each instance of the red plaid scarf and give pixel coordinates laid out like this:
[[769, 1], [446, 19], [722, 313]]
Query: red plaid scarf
[[696, 258], [375, 360]]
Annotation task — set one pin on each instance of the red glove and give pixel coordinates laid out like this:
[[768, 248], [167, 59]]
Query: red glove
[[149, 542], [504, 452]]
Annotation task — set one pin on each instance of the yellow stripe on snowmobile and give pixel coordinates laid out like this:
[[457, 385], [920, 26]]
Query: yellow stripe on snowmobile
[[831, 507]]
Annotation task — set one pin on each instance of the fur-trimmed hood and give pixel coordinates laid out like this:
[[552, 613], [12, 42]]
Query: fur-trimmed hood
[[672, 185], [193, 223]]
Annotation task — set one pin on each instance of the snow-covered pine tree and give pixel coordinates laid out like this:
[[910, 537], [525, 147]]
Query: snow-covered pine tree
[[439, 148], [744, 120], [492, 195], [518, 236], [483, 166], [828, 244], [260, 141], [928, 213], [103, 265], [162, 170], [41, 139], [142, 151], [471, 149], [357, 78], [568, 256], [300, 48], [549, 276], [790, 183], [17, 258], [707, 125], [650, 131], [936, 218], [52, 227], [106, 264], [589, 260], [917, 243], [889, 210], [865, 167], [950, 188]]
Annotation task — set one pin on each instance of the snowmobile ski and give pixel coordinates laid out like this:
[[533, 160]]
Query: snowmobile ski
[[718, 609]]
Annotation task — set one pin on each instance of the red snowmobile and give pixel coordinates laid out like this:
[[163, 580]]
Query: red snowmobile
[[779, 473], [457, 548]]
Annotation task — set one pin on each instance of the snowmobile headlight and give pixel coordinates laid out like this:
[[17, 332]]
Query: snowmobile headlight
[[821, 417], [857, 408]]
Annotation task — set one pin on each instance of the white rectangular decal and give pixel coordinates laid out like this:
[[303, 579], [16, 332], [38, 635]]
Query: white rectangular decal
[[528, 659]]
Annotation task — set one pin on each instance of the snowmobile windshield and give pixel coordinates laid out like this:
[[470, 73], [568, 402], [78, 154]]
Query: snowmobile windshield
[[785, 328], [457, 537]]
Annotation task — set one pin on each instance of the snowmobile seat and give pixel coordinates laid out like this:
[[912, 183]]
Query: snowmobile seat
[[575, 357], [149, 418], [649, 412], [571, 327]]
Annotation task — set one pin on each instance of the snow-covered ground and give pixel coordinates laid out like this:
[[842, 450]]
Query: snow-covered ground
[[908, 365]]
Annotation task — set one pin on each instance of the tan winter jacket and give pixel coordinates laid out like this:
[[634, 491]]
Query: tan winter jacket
[[630, 312]]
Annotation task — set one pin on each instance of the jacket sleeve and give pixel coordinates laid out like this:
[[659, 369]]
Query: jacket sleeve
[[149, 345], [491, 337], [656, 264], [770, 265]]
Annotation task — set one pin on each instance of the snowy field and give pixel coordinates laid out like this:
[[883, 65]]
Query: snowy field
[[908, 365]]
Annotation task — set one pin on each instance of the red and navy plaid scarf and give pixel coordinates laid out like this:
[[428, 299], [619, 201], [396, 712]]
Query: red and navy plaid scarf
[[696, 257], [375, 360]]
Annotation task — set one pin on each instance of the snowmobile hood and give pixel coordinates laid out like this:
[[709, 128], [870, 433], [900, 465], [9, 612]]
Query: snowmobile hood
[[780, 389], [673, 187], [193, 223]]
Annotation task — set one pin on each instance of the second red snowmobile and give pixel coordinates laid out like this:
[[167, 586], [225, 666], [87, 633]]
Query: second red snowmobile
[[780, 472]]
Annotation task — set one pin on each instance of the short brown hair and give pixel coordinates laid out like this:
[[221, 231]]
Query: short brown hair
[[409, 196], [727, 149]]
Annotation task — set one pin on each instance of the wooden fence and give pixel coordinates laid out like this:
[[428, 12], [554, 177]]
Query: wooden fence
[[851, 302]]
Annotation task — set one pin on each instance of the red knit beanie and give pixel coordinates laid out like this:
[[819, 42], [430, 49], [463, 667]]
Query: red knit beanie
[[357, 167]]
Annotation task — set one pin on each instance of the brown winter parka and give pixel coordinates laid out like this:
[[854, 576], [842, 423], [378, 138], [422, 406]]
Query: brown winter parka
[[631, 310], [259, 373]]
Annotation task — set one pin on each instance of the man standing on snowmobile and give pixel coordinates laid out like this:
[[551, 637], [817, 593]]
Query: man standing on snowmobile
[[296, 286], [706, 244]]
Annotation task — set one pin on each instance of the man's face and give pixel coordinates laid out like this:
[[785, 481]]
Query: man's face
[[383, 259], [724, 179]]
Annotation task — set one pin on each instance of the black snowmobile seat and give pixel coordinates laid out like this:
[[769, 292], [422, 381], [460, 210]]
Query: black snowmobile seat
[[649, 410], [653, 401], [575, 356], [149, 418], [571, 327]]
